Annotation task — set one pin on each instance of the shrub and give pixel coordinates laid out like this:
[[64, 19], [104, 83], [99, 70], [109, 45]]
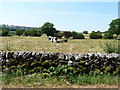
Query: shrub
[[95, 35], [59, 34], [33, 33], [4, 32], [80, 36], [76, 35], [11, 33], [67, 34], [27, 33], [19, 32], [108, 36]]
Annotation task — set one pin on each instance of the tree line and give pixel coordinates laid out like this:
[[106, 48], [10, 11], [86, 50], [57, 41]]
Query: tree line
[[49, 30]]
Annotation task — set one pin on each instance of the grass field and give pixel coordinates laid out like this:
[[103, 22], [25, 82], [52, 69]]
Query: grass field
[[37, 44]]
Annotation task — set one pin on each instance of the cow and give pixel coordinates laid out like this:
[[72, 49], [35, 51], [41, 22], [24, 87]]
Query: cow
[[63, 41], [53, 39]]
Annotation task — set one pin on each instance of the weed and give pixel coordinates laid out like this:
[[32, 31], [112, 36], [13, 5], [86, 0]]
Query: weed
[[8, 46]]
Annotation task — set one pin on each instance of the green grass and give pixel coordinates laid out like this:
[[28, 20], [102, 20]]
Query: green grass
[[93, 79], [37, 44], [37, 80]]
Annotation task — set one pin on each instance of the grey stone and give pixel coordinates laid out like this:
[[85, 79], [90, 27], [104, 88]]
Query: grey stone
[[21, 53], [15, 55], [70, 58], [61, 56], [75, 63], [70, 63], [53, 56], [33, 53]]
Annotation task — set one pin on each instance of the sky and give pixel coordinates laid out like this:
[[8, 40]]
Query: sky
[[66, 16]]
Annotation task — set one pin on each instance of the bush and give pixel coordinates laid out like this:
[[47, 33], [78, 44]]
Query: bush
[[11, 33], [33, 33], [19, 32], [95, 35], [67, 34], [108, 36], [76, 35], [81, 36], [27, 33], [4, 32], [59, 34]]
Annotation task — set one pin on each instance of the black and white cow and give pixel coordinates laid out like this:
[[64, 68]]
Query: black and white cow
[[53, 39]]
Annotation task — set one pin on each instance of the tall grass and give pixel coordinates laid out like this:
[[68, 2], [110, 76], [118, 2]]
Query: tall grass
[[8, 46], [111, 47]]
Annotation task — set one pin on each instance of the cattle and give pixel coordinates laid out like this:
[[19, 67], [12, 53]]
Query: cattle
[[63, 41], [54, 39]]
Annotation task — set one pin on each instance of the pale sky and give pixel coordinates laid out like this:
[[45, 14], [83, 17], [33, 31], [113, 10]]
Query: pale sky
[[71, 16]]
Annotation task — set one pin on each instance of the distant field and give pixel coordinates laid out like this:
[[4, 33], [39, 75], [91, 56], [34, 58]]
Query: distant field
[[37, 44]]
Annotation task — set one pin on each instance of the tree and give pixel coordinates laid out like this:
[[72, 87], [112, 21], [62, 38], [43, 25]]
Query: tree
[[48, 29], [67, 34], [39, 33], [98, 31], [19, 32], [114, 27], [85, 32]]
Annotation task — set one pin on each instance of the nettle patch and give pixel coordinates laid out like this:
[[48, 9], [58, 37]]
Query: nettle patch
[[50, 64]]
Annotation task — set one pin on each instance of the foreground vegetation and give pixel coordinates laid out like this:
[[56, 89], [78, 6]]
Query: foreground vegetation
[[66, 81]]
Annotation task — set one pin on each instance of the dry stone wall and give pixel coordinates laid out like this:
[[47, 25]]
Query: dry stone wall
[[83, 62]]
